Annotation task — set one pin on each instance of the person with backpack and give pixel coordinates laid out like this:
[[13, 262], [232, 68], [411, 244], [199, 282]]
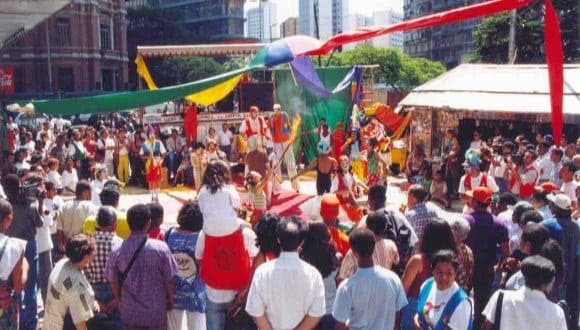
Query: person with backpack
[[399, 230], [442, 304], [528, 307], [190, 297], [437, 236]]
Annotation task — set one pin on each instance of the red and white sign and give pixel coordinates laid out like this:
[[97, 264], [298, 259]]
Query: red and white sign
[[6, 80]]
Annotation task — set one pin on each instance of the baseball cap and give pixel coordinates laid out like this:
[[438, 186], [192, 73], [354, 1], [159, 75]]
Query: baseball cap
[[480, 194], [329, 207], [562, 201], [548, 187]]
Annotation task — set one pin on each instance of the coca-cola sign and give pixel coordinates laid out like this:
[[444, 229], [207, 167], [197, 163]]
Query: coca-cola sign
[[6, 80]]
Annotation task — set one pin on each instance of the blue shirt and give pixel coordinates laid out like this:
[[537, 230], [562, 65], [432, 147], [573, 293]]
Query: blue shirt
[[370, 299], [189, 288], [554, 228], [545, 211]]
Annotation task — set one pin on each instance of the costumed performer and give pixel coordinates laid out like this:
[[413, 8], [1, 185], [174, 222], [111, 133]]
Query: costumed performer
[[325, 166], [225, 260], [190, 123], [357, 156], [337, 137], [376, 164], [152, 151], [254, 126], [344, 185], [281, 135], [199, 163], [474, 178]]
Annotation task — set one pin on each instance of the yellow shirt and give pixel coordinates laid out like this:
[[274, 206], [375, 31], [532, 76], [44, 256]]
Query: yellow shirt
[[122, 230]]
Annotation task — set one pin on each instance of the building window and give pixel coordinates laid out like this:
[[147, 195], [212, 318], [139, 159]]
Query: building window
[[63, 38], [66, 82], [105, 36]]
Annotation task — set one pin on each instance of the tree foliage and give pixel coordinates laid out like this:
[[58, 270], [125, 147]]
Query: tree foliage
[[396, 69], [492, 35]]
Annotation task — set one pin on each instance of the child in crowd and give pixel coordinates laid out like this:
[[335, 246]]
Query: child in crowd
[[157, 215], [438, 189], [426, 177], [256, 186]]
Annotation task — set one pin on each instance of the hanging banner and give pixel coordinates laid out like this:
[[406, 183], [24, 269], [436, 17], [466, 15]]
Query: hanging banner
[[216, 93], [6, 81]]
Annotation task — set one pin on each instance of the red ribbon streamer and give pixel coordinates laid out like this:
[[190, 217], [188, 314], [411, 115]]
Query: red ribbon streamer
[[552, 42]]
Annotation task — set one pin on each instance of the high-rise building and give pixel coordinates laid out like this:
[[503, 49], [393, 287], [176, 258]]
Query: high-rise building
[[289, 27], [321, 18], [450, 44], [388, 17], [81, 49], [207, 20], [262, 22], [353, 22]]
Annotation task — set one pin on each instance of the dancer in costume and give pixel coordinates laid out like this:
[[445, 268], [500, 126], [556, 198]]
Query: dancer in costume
[[344, 185], [353, 148], [281, 132], [325, 166], [375, 165], [152, 151], [254, 126]]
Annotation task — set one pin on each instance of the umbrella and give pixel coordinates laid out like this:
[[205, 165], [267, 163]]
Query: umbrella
[[285, 50]]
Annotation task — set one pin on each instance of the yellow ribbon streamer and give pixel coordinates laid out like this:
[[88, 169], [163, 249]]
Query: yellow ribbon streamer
[[206, 97], [399, 132]]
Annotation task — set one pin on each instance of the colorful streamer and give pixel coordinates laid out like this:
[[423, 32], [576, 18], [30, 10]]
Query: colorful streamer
[[304, 72], [143, 72], [216, 93]]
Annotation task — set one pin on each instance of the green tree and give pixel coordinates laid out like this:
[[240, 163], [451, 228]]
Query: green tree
[[492, 35], [395, 69]]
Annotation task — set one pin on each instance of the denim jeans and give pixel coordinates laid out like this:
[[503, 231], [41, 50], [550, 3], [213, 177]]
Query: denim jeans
[[28, 308], [173, 160], [215, 315]]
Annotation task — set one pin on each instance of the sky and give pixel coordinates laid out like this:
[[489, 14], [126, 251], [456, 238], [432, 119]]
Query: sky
[[289, 8]]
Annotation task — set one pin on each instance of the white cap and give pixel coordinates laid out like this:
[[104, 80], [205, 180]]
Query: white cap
[[562, 201]]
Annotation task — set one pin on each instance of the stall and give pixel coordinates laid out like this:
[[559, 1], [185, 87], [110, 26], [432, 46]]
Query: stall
[[515, 99]]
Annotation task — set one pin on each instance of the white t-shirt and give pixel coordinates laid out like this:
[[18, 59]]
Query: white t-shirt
[[96, 188], [225, 296], [526, 309], [569, 188], [224, 138], [56, 178], [476, 182], [438, 298], [219, 210], [108, 143], [498, 171], [476, 144], [14, 251], [285, 290], [43, 239], [70, 180], [544, 166]]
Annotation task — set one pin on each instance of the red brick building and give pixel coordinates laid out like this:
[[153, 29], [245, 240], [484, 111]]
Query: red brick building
[[84, 45]]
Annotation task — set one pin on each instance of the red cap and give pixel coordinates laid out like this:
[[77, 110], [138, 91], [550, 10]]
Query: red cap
[[480, 194], [253, 108], [329, 207], [548, 187]]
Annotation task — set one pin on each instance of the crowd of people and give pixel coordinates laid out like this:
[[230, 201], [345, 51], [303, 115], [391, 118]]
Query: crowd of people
[[509, 261]]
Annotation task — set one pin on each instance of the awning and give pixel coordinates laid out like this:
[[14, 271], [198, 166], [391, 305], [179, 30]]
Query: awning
[[19, 16], [200, 50], [497, 88]]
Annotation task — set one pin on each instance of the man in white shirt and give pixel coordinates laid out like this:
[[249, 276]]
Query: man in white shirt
[[473, 179], [477, 142], [568, 184], [498, 166], [543, 163], [107, 145], [528, 307], [287, 293], [72, 218], [373, 297], [556, 156], [225, 139]]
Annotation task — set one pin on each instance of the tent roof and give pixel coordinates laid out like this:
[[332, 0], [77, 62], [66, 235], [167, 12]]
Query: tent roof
[[20, 16], [497, 88], [200, 50]]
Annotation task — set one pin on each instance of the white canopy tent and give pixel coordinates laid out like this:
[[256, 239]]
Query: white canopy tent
[[497, 88], [19, 16]]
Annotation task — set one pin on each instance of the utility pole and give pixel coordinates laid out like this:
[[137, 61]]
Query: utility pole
[[512, 41]]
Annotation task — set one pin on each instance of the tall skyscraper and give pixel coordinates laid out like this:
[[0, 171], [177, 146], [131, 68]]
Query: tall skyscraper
[[450, 44], [321, 18], [388, 17], [262, 22], [289, 27]]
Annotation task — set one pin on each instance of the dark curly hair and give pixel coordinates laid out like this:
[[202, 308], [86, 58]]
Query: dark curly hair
[[78, 247], [217, 175], [318, 249], [437, 236], [190, 217], [266, 236]]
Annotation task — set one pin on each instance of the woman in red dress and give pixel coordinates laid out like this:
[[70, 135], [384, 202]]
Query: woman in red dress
[[152, 151]]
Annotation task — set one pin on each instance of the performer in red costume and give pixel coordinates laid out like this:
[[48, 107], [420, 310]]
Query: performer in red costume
[[190, 123], [254, 127], [281, 135]]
